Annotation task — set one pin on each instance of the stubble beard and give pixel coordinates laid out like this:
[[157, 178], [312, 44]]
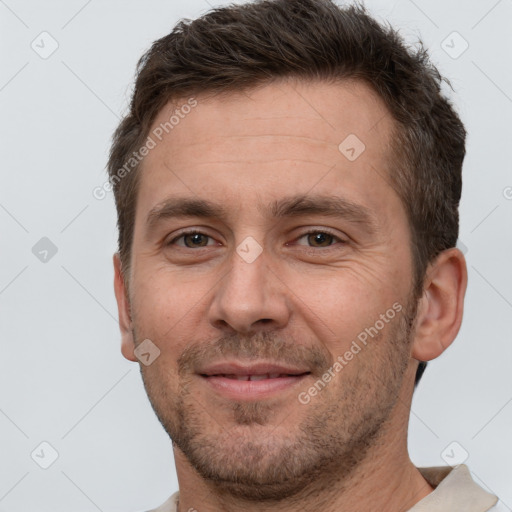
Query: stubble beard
[[247, 457]]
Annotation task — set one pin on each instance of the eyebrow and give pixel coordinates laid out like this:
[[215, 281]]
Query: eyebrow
[[329, 206], [294, 206], [183, 207]]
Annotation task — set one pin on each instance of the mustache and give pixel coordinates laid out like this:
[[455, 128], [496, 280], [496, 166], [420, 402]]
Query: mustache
[[269, 346]]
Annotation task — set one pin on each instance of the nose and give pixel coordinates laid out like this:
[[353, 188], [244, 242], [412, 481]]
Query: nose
[[249, 297]]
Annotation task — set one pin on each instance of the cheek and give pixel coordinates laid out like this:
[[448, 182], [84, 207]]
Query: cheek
[[341, 306], [170, 295], [166, 311]]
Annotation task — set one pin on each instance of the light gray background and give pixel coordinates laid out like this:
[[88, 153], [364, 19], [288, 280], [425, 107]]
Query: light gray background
[[63, 379]]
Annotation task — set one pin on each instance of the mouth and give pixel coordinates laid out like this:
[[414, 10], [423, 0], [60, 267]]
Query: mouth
[[264, 376], [237, 381]]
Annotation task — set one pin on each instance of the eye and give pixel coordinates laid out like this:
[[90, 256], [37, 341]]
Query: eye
[[319, 238], [192, 239]]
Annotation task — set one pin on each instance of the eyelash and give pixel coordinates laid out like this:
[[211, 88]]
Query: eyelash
[[310, 232]]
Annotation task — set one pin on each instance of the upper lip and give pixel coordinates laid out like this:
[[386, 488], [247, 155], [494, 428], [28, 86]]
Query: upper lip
[[239, 368]]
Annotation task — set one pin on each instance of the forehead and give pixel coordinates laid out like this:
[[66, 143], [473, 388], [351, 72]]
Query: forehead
[[284, 137]]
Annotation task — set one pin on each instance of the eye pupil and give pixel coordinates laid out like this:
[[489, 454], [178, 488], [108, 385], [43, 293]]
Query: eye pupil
[[196, 239], [320, 239]]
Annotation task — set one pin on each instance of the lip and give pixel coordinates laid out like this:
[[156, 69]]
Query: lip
[[250, 368], [225, 379]]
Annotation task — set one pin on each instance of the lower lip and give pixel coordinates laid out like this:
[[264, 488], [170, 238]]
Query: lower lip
[[252, 389]]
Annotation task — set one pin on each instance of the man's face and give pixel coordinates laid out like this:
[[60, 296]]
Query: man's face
[[302, 247]]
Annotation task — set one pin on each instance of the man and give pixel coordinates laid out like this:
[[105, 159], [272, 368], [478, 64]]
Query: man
[[287, 183]]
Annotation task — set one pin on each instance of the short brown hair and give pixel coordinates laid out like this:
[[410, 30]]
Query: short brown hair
[[237, 47]]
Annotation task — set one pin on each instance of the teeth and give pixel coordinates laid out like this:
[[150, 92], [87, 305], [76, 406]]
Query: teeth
[[259, 377]]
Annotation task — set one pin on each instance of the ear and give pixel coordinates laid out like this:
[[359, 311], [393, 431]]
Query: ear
[[123, 308], [441, 306]]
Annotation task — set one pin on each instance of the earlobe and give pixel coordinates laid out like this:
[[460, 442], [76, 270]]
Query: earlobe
[[441, 306], [123, 308]]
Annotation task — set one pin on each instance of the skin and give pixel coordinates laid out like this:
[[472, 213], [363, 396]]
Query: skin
[[305, 298]]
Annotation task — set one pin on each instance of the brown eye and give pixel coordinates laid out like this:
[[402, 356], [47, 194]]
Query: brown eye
[[320, 239], [192, 239], [196, 240]]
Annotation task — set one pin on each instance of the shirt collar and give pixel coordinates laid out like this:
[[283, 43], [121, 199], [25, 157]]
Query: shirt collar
[[454, 489]]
